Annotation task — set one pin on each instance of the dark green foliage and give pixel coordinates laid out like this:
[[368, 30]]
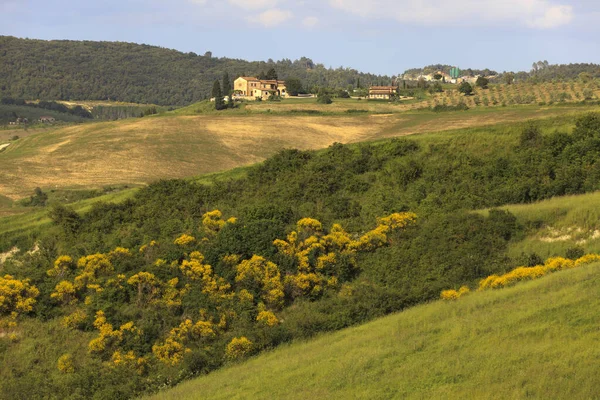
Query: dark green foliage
[[226, 91], [575, 252], [324, 98], [293, 86], [465, 88], [150, 111], [531, 136], [86, 70], [442, 107], [218, 96], [67, 219], [482, 82], [38, 199], [271, 74]]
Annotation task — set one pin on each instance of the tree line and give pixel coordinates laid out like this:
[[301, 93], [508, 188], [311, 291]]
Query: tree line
[[87, 70]]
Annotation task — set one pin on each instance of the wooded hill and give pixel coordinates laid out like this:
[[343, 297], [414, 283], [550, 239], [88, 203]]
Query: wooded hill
[[87, 70]]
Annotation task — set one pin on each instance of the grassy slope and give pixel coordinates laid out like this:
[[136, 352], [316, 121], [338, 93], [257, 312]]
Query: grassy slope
[[558, 224], [539, 339], [33, 219], [137, 151]]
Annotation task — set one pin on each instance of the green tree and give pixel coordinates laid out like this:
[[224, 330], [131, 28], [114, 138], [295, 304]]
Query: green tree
[[39, 198], [271, 74], [227, 89], [482, 82], [509, 78], [293, 86], [218, 95], [324, 98], [465, 88], [226, 84]]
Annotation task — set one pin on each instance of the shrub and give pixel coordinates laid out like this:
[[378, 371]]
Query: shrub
[[238, 348], [324, 99], [575, 252]]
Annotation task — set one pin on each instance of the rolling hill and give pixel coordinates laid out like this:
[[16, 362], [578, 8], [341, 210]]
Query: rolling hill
[[141, 289], [184, 143]]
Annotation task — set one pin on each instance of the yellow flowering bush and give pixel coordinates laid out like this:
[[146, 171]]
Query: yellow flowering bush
[[309, 224], [148, 286], [62, 266], [586, 259], [171, 352], [212, 221], [92, 267], [65, 292], [398, 220], [119, 252], [16, 297], [184, 240], [263, 278], [108, 337], [129, 360], [238, 348], [525, 273], [74, 320], [267, 318], [65, 364], [454, 294]]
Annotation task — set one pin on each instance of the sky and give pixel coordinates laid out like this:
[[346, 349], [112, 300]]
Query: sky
[[377, 36]]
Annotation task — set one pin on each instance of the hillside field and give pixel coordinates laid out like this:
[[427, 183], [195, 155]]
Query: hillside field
[[175, 145], [539, 339]]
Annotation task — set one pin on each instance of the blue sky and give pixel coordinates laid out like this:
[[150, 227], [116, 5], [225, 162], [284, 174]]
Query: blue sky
[[379, 36]]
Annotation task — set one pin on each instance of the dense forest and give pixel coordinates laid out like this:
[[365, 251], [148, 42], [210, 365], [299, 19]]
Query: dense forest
[[86, 70], [185, 277]]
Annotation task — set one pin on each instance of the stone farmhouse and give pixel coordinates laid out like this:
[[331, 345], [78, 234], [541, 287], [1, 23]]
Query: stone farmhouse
[[382, 92], [250, 88]]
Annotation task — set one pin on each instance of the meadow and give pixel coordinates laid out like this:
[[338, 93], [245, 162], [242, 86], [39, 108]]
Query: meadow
[[538, 339]]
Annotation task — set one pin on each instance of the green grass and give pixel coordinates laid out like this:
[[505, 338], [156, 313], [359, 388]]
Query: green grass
[[538, 339], [552, 226], [28, 222], [557, 224]]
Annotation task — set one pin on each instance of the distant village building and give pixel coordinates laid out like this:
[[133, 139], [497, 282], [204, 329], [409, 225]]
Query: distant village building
[[46, 119], [252, 88], [382, 92]]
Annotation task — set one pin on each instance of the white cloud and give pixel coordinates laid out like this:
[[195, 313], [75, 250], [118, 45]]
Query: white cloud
[[254, 4], [533, 13], [271, 18], [310, 22], [198, 2], [553, 17]]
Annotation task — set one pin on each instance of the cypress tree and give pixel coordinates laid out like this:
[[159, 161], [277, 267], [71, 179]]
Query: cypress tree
[[218, 95], [226, 84]]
